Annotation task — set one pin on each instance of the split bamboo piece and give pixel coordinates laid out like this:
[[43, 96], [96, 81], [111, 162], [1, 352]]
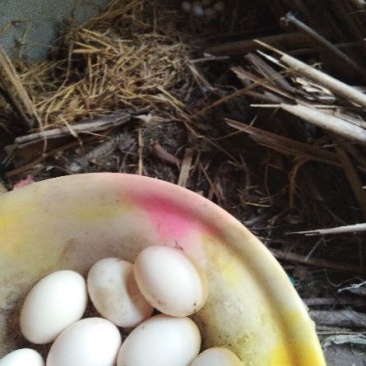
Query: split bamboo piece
[[335, 86], [328, 122]]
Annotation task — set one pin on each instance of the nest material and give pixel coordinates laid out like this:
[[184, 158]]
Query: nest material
[[115, 61]]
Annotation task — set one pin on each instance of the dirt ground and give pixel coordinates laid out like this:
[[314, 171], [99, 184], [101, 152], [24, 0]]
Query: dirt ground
[[159, 104]]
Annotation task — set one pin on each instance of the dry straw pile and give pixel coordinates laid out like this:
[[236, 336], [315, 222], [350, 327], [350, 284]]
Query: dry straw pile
[[114, 61]]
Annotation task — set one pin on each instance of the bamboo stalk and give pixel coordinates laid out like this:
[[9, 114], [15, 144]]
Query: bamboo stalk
[[335, 230], [335, 86], [327, 122], [291, 19]]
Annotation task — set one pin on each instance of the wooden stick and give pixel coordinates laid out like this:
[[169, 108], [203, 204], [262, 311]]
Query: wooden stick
[[328, 122], [288, 40], [317, 262], [45, 155], [185, 167], [284, 144], [331, 301], [164, 155], [269, 73], [339, 318], [140, 140], [245, 75], [96, 124], [336, 230], [291, 19]]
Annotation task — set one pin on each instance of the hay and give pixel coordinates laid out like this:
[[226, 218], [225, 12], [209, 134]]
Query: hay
[[114, 61]]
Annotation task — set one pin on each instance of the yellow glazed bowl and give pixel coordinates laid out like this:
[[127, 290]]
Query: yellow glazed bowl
[[71, 222]]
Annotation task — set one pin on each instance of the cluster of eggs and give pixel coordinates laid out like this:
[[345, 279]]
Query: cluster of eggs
[[203, 8], [125, 295]]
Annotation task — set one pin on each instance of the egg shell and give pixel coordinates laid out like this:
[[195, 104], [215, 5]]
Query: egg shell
[[22, 357], [88, 342], [161, 341], [55, 302], [217, 356], [115, 294], [170, 281]]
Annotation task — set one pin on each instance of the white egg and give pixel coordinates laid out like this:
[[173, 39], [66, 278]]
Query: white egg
[[88, 342], [115, 294], [217, 356], [22, 357], [198, 10], [55, 302], [170, 281], [186, 6], [161, 341], [219, 6]]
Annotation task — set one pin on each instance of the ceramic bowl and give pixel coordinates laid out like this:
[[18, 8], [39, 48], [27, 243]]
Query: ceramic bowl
[[71, 222]]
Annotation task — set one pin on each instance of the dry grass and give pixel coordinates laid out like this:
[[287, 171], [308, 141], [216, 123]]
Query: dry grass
[[115, 61]]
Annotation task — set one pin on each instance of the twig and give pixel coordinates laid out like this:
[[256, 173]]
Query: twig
[[94, 125], [269, 73], [331, 301], [45, 155], [246, 75], [353, 178], [291, 19], [200, 79], [185, 167], [336, 230], [162, 154], [284, 144], [213, 190], [328, 122], [140, 152], [287, 40], [317, 262], [339, 318]]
